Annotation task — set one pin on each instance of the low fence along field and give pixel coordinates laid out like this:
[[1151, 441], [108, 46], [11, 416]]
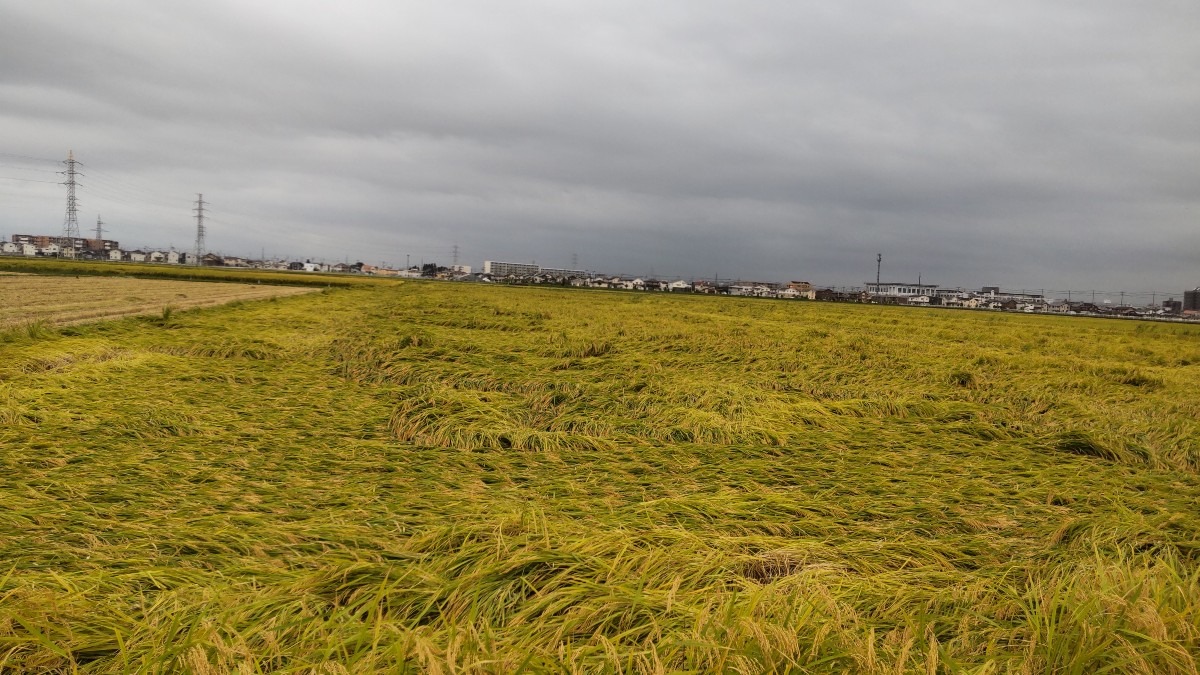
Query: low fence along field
[[66, 300], [462, 478]]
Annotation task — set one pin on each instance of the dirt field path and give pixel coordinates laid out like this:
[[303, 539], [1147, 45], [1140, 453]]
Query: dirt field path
[[68, 300]]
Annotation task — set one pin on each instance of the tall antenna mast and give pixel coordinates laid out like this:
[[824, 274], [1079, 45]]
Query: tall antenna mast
[[199, 227], [99, 227], [71, 221], [878, 264], [455, 254]]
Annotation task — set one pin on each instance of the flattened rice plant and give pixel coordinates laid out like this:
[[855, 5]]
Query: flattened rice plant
[[458, 478]]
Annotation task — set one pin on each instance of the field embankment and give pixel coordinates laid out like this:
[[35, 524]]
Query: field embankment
[[460, 478]]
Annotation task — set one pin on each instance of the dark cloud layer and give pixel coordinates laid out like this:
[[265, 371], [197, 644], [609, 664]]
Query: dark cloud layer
[[1040, 144]]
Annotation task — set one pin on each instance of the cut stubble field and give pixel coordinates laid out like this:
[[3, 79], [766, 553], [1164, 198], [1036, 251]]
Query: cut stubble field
[[60, 300], [461, 478]]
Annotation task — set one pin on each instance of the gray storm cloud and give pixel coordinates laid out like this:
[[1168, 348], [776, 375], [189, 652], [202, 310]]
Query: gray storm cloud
[[1038, 144]]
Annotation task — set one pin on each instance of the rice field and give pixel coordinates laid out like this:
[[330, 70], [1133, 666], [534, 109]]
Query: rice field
[[454, 478], [34, 299]]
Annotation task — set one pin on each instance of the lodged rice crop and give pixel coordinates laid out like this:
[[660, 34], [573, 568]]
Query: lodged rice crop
[[460, 478]]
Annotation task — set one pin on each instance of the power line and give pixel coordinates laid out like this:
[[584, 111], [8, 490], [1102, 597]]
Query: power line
[[31, 180], [25, 168], [108, 195], [125, 188], [28, 158]]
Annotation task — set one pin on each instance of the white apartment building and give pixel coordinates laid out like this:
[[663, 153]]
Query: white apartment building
[[900, 290], [505, 269]]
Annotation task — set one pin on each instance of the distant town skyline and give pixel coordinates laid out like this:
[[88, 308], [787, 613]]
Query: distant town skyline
[[1053, 143]]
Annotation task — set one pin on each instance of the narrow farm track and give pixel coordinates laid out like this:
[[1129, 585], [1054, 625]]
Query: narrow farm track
[[69, 300], [454, 478]]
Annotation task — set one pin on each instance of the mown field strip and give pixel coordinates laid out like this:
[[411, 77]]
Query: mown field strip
[[69, 299], [459, 478]]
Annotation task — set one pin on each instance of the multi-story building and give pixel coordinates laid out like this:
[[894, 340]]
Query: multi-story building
[[509, 269], [900, 290], [561, 272], [1191, 300], [994, 293], [77, 243]]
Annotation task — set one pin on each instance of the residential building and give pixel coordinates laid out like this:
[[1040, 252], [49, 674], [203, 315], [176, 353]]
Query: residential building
[[509, 269], [1191, 300], [900, 290], [78, 243], [994, 293], [559, 272]]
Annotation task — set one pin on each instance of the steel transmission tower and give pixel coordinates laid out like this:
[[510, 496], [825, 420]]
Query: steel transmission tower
[[455, 255], [199, 227], [71, 222], [99, 227]]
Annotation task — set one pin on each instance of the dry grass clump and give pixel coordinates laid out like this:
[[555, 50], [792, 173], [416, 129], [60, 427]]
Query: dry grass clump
[[384, 479]]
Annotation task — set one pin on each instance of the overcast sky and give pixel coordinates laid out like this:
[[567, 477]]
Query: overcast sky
[[1029, 143]]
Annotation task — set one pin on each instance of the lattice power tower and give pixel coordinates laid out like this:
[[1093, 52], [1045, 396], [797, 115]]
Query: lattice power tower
[[199, 228], [71, 222]]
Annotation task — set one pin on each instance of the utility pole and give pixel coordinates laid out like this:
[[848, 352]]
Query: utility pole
[[71, 221], [99, 227], [199, 227]]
